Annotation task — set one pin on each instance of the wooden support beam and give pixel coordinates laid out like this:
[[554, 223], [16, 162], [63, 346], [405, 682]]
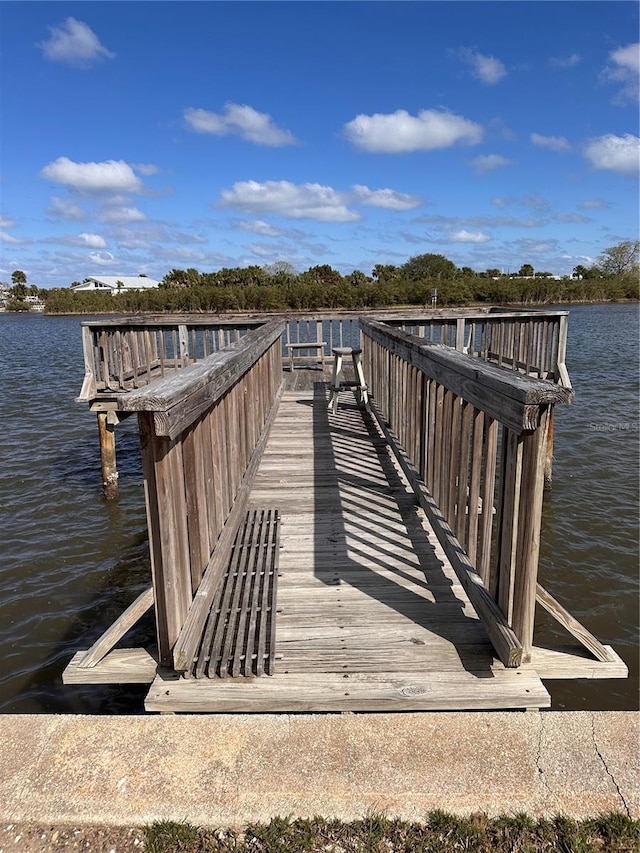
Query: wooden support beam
[[108, 464], [116, 632], [548, 462], [577, 630]]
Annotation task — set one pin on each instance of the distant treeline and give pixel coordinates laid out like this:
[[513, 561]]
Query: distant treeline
[[279, 287]]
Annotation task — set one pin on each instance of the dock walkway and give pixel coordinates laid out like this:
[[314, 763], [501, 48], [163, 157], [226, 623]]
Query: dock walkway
[[371, 616], [407, 537]]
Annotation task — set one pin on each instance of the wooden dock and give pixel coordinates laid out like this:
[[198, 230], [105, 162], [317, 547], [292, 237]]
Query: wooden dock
[[380, 557], [371, 616]]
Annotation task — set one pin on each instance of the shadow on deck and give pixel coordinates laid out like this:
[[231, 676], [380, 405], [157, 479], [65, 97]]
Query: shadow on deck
[[395, 590], [370, 613]]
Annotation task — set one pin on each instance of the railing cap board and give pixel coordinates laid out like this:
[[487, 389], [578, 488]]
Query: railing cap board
[[172, 322], [180, 398], [512, 398], [474, 314]]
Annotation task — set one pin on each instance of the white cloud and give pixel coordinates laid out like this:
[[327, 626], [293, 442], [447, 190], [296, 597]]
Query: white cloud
[[146, 168], [88, 241], [624, 68], [399, 132], [76, 43], [555, 143], [102, 259], [463, 236], [487, 69], [123, 214], [531, 200], [65, 209], [8, 238], [241, 120], [386, 198], [108, 176], [5, 222], [257, 226], [594, 204], [295, 201], [575, 218], [488, 162], [617, 153], [92, 241], [565, 61], [449, 222]]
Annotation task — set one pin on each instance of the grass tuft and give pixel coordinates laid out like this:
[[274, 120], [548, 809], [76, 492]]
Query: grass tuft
[[441, 832]]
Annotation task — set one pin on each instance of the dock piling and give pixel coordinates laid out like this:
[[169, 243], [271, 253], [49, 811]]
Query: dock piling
[[106, 431]]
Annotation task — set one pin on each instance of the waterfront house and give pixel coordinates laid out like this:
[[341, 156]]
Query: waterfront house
[[115, 283]]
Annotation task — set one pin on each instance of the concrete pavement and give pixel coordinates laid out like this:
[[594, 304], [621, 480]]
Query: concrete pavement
[[227, 770]]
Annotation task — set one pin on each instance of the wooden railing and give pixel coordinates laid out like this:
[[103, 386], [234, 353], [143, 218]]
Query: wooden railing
[[125, 354], [335, 330], [130, 353], [202, 431], [471, 437], [532, 342]]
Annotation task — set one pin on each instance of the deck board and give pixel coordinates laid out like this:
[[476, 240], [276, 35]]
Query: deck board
[[371, 615]]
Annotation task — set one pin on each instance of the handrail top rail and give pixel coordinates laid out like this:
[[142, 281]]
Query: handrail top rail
[[467, 314], [179, 398], [388, 315], [510, 397], [173, 321]]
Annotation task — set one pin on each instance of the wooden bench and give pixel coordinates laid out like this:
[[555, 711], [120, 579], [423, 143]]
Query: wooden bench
[[294, 349], [239, 634]]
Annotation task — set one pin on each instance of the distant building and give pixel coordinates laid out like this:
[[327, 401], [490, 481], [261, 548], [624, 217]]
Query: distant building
[[115, 283]]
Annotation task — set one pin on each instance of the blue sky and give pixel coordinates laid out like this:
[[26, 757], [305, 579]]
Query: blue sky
[[141, 136]]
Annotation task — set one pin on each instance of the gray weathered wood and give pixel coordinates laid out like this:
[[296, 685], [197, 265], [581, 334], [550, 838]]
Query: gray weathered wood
[[186, 644], [120, 666], [512, 398], [505, 642], [105, 643], [571, 624], [183, 396]]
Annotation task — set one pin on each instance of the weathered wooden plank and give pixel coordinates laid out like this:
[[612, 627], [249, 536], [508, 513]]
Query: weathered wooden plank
[[488, 490], [575, 628], [105, 643], [508, 516], [575, 662], [166, 518], [120, 666], [400, 691], [183, 396], [186, 644], [511, 398], [528, 540], [504, 641]]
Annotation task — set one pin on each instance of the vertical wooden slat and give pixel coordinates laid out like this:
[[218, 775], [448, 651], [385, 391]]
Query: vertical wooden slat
[[463, 474], [488, 490], [471, 538], [509, 517], [166, 518], [528, 539], [454, 464], [445, 451], [194, 456]]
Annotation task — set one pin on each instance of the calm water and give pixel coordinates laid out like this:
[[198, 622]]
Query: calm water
[[70, 562]]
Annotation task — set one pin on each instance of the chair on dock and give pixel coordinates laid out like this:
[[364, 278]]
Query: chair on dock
[[338, 381]]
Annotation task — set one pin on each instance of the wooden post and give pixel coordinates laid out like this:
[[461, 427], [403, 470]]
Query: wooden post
[[528, 534], [107, 434], [548, 462]]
